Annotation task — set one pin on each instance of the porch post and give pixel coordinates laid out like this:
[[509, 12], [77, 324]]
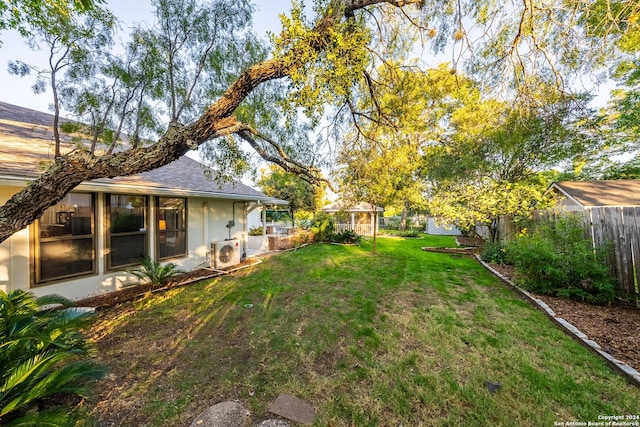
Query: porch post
[[265, 241], [353, 221]]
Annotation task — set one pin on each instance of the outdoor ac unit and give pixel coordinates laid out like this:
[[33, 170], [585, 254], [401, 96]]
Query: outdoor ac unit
[[225, 254]]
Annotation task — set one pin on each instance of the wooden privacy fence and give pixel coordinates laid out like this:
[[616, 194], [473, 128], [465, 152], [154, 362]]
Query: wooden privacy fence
[[620, 228]]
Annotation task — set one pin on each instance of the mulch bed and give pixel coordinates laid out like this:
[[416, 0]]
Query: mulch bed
[[112, 299], [615, 327]]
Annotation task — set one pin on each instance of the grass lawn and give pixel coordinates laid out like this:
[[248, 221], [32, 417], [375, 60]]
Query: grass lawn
[[403, 337]]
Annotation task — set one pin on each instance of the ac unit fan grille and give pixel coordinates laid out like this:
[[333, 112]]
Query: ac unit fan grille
[[225, 253]]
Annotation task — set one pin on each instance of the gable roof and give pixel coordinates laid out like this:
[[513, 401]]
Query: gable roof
[[624, 192], [342, 206], [26, 145]]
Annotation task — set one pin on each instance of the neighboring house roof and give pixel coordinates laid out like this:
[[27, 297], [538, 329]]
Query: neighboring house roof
[[342, 206], [624, 192], [26, 145]]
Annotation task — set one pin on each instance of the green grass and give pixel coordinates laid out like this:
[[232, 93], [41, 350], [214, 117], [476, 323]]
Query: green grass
[[404, 336]]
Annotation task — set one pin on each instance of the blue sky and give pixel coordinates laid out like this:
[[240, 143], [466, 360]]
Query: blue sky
[[16, 90]]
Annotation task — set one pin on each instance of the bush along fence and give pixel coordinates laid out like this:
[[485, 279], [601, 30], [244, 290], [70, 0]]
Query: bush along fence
[[613, 231]]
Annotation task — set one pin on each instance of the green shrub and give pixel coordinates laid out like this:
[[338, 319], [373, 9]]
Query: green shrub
[[44, 359], [153, 272], [345, 237], [557, 259], [255, 231], [495, 253], [322, 227], [392, 223], [409, 233]]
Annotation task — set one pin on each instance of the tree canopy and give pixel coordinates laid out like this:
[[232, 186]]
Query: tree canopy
[[324, 63], [301, 195]]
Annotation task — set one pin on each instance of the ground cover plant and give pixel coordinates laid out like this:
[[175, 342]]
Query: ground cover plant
[[46, 361], [402, 337], [556, 258]]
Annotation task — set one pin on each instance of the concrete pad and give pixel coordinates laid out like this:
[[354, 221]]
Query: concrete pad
[[293, 408]]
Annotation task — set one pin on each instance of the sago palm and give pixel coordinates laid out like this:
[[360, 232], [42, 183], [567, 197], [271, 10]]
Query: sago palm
[[153, 272], [43, 355]]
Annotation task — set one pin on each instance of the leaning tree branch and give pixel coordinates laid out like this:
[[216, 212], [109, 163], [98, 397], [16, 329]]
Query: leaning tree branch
[[70, 170], [282, 160]]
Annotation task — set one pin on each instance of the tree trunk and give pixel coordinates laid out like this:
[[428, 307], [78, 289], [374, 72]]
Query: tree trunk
[[374, 248], [403, 218]]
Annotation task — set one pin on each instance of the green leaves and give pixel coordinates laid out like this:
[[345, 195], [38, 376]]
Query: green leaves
[[154, 272], [300, 194], [43, 354], [326, 58]]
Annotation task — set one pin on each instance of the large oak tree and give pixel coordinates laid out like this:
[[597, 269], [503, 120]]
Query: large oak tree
[[318, 61]]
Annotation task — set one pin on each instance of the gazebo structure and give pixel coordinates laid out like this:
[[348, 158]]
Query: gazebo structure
[[358, 217]]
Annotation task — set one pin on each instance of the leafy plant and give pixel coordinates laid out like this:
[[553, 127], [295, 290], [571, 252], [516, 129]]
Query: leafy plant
[[495, 253], [44, 359], [557, 259], [346, 237], [154, 272], [409, 233], [322, 227], [255, 231]]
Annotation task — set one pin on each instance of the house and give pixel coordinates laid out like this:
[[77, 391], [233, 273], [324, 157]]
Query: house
[[358, 217], [83, 246], [580, 195]]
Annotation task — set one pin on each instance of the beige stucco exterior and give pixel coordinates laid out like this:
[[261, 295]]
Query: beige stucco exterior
[[207, 220]]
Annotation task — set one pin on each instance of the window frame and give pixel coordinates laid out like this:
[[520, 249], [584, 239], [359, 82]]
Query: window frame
[[109, 235], [184, 229], [38, 239]]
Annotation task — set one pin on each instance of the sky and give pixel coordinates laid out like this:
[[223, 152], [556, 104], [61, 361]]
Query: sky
[[17, 90]]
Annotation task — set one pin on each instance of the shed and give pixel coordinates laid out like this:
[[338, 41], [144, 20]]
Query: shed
[[580, 195]]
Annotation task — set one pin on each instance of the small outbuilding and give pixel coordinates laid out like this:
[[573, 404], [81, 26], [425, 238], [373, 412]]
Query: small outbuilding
[[357, 217]]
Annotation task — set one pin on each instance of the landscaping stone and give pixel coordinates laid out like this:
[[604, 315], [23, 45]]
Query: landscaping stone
[[293, 408], [225, 414]]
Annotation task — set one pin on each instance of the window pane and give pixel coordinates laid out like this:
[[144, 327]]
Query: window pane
[[171, 226], [66, 244], [128, 213], [127, 249], [172, 243], [71, 216], [128, 238], [60, 258]]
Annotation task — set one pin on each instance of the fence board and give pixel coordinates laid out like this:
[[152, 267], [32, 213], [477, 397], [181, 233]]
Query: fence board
[[632, 229]]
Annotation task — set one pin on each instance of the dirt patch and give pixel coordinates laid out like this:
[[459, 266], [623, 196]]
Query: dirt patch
[[615, 327]]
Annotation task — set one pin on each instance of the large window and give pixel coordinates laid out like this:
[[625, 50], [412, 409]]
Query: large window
[[127, 216], [65, 244], [171, 227]]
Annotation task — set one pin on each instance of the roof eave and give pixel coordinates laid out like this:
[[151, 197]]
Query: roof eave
[[158, 191]]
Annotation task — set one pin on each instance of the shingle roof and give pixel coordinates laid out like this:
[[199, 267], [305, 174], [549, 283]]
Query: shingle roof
[[355, 207], [624, 192], [26, 145]]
